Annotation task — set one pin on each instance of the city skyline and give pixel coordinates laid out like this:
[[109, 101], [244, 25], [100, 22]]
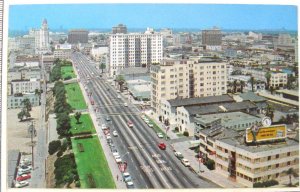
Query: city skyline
[[255, 17]]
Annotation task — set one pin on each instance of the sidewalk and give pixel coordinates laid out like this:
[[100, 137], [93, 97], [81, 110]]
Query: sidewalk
[[205, 173], [109, 157], [170, 134]]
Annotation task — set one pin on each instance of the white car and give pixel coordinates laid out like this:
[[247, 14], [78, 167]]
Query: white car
[[103, 126], [115, 133], [116, 154], [125, 104], [178, 155], [160, 135], [146, 120], [108, 137], [21, 184], [150, 124], [185, 162], [118, 160], [119, 96]]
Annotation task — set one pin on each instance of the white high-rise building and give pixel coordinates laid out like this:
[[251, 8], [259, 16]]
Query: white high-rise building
[[42, 44], [134, 50]]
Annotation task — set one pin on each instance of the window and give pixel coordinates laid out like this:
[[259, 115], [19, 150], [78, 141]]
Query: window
[[277, 156], [277, 165], [288, 154], [288, 163], [269, 158]]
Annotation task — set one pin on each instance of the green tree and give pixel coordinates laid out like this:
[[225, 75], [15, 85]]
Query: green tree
[[252, 81], [21, 115], [54, 146], [63, 124], [242, 85], [102, 66], [27, 104], [270, 111], [120, 79], [234, 86], [268, 78], [290, 80], [291, 172], [77, 117]]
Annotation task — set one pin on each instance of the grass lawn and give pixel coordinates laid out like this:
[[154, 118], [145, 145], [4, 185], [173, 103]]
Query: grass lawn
[[92, 162], [67, 71], [74, 96], [86, 124]]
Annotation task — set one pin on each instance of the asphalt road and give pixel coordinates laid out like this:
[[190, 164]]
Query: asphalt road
[[149, 166]]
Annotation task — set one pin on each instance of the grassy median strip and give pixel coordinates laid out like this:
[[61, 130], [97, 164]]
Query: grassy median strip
[[67, 71], [85, 124], [74, 96], [92, 166]]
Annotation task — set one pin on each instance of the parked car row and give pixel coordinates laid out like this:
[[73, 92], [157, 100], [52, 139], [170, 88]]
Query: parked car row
[[23, 174], [184, 161], [126, 176], [147, 121]]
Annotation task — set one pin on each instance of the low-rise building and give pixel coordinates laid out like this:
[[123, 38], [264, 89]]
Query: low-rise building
[[25, 86], [248, 164], [16, 100]]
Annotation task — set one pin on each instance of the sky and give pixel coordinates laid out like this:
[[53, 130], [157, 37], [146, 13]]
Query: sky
[[199, 16]]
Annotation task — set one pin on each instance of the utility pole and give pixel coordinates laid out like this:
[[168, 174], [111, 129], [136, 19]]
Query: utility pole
[[32, 130]]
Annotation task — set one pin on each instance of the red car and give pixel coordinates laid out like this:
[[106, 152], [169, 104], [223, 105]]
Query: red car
[[162, 146], [130, 124], [23, 177]]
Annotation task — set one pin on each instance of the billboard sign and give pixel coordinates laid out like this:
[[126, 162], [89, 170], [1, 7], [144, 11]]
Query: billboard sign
[[258, 134]]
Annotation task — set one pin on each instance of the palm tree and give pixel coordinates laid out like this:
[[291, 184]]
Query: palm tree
[[120, 79], [27, 104], [291, 172], [102, 67], [234, 86], [252, 81], [268, 78], [229, 86], [270, 111], [242, 83]]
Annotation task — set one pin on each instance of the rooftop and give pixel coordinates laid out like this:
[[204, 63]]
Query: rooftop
[[200, 101], [218, 108], [252, 97], [229, 119], [289, 92], [239, 142], [134, 70]]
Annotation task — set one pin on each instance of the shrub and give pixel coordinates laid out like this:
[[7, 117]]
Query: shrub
[[60, 153], [268, 183], [68, 77], [77, 184], [54, 146], [91, 181], [210, 164], [82, 133], [186, 133], [176, 129], [84, 137], [80, 147]]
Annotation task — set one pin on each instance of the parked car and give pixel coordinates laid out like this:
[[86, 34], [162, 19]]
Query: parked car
[[103, 127], [185, 162], [130, 124], [160, 135], [162, 146], [108, 118], [129, 185], [125, 104], [150, 125], [127, 177], [22, 166], [178, 155], [21, 184], [118, 160], [119, 96], [116, 154], [23, 177], [115, 133]]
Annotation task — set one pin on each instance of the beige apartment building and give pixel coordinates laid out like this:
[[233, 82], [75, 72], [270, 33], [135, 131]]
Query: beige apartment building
[[251, 164], [186, 79]]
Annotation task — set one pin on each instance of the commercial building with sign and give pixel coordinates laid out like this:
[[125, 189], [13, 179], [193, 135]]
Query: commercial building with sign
[[258, 163]]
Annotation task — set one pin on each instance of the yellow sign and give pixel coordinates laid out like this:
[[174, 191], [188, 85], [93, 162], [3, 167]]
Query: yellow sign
[[266, 133]]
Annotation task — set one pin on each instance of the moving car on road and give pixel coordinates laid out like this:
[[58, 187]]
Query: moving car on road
[[125, 104], [130, 185], [115, 133], [130, 124], [162, 146], [127, 177], [185, 162]]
